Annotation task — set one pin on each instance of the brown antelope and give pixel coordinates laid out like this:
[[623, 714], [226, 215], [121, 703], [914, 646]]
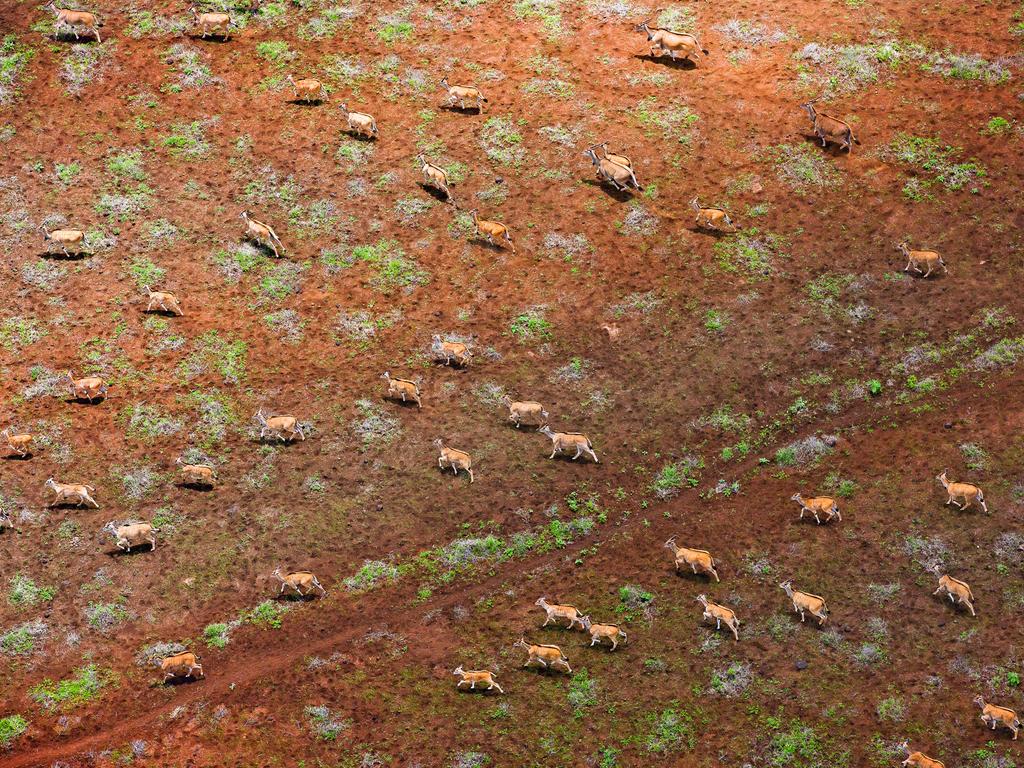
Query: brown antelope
[[74, 238], [529, 411], [434, 176], [547, 656], [698, 560], [555, 612], [197, 474], [612, 330], [483, 677], [919, 759], [458, 94], [456, 459], [711, 218], [19, 443], [165, 302], [491, 230], [278, 426], [132, 535], [75, 19], [613, 157], [806, 602], [930, 259], [220, 23], [261, 234], [308, 89], [676, 44], [87, 388], [451, 351], [993, 715], [720, 613], [959, 592], [619, 176], [71, 493], [360, 123], [402, 389], [180, 665], [303, 582], [831, 129], [969, 493], [602, 632], [818, 504], [566, 441]]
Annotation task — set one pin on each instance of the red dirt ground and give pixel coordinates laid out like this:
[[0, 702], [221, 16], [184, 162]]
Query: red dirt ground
[[792, 362]]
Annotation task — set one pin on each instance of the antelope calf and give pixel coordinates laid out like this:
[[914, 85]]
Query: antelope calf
[[220, 23], [71, 493], [969, 493], [435, 176], [451, 351], [459, 94], [720, 613], [555, 613], [308, 89], [456, 459], [402, 389], [676, 44], [278, 426], [19, 443], [197, 474], [180, 665], [483, 677], [930, 259], [546, 656], [89, 388], [806, 602], [959, 592], [491, 230], [919, 759], [698, 560], [303, 582], [566, 441], [601, 632], [75, 238], [132, 535], [828, 128], [165, 302], [74, 20], [261, 234], [360, 123], [993, 715], [530, 411], [818, 504], [619, 176], [711, 218]]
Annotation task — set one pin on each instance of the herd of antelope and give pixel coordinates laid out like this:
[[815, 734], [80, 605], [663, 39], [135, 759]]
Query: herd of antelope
[[614, 169]]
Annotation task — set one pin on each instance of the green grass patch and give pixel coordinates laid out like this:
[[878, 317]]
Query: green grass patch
[[24, 592], [11, 727], [14, 57], [85, 686]]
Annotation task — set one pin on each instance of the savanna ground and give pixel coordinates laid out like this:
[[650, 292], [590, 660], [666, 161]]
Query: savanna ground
[[791, 355]]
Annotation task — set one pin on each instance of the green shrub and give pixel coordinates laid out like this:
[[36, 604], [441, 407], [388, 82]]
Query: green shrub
[[86, 685], [11, 727]]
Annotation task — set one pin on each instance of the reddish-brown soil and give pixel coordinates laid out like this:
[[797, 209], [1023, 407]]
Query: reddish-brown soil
[[791, 363]]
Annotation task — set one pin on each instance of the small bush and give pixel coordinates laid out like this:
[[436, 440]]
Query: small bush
[[325, 725], [371, 574], [266, 615], [21, 641], [216, 635], [671, 730], [582, 693], [86, 685], [24, 592], [11, 727]]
